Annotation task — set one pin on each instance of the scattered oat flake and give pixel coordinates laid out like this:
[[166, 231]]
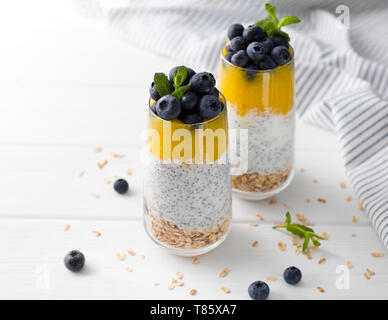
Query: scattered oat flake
[[131, 252], [171, 286], [321, 200], [81, 173], [297, 251], [301, 218], [120, 256], [129, 171], [97, 233], [102, 164], [193, 292], [272, 278], [272, 201], [367, 276], [260, 217], [370, 272], [129, 269], [308, 200], [223, 273], [194, 261], [282, 246], [142, 257], [377, 254], [255, 244], [96, 195], [156, 284], [301, 170], [359, 205], [342, 184], [354, 219], [253, 224], [315, 181], [348, 198], [325, 235], [179, 275], [349, 265], [308, 255], [320, 289], [116, 155], [67, 227], [97, 149], [107, 181], [226, 290], [295, 240], [322, 260], [285, 205]]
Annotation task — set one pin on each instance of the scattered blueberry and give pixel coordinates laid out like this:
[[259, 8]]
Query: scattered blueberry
[[190, 73], [189, 100], [202, 83], [258, 290], [240, 58], [238, 43], [215, 92], [279, 40], [210, 106], [153, 93], [168, 107], [256, 51], [253, 33], [266, 63], [292, 275], [121, 186], [192, 118], [153, 107], [228, 56], [281, 55], [235, 30], [74, 260]]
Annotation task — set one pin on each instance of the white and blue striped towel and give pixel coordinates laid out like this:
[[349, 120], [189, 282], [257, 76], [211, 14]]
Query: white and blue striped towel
[[341, 73]]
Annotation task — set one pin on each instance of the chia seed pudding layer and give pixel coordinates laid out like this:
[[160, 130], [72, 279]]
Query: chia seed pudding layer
[[193, 197], [266, 159]]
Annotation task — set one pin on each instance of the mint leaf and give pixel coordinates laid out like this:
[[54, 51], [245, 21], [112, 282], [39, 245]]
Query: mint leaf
[[180, 76], [286, 20], [302, 231], [162, 84], [179, 92], [275, 31], [266, 24], [272, 12]]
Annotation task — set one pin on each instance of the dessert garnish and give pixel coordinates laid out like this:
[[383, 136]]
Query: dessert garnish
[[121, 186], [258, 290], [292, 275], [185, 95], [261, 46], [74, 260], [302, 231]]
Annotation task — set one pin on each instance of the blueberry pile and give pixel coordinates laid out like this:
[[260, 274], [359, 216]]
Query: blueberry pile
[[253, 49], [185, 95]]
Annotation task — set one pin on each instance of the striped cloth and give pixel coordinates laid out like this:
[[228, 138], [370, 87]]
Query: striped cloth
[[341, 73]]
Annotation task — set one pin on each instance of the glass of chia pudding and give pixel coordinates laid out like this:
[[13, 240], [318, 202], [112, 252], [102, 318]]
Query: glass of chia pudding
[[256, 75], [187, 185]]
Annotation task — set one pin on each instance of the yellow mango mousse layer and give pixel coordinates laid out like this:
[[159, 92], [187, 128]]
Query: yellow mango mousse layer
[[174, 140], [264, 91]]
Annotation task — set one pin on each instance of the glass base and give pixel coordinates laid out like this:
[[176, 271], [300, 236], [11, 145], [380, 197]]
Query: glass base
[[188, 252], [246, 195]]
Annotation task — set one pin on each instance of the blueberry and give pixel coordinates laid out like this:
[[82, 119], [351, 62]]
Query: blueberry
[[256, 51], [168, 107], [240, 58], [266, 63], [215, 92], [279, 40], [238, 43], [153, 107], [251, 71], [210, 106], [292, 275], [258, 290], [253, 33], [280, 55], [121, 186], [235, 30], [228, 56], [189, 100], [202, 83], [74, 260], [153, 93], [228, 48], [190, 73], [192, 118]]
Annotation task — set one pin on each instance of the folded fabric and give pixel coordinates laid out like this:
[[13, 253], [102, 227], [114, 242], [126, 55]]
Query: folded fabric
[[341, 70]]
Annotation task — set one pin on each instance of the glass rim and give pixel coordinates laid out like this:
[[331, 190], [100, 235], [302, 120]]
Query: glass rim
[[223, 59], [191, 124]]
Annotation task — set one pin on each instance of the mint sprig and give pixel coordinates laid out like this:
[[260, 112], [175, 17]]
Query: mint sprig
[[302, 231], [164, 86], [272, 26]]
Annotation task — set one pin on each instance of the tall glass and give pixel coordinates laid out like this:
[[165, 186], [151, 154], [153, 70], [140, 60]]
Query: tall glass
[[187, 185], [262, 123]]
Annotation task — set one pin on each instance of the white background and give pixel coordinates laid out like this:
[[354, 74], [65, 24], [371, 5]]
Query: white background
[[67, 86]]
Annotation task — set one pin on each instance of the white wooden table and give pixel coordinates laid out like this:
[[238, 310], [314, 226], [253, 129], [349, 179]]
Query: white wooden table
[[67, 86]]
